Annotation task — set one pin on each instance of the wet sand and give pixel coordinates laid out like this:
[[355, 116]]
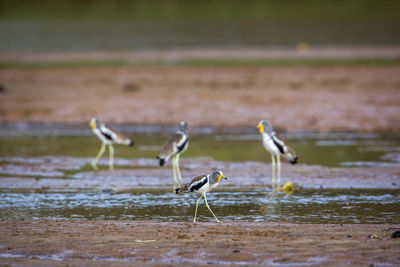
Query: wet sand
[[50, 173], [49, 242], [150, 243], [294, 98]]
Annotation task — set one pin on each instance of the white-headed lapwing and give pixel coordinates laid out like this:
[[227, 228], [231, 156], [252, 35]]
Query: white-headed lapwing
[[202, 185], [276, 147], [176, 145], [108, 136]]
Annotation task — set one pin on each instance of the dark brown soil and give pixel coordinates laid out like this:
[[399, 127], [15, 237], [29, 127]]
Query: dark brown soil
[[81, 243]]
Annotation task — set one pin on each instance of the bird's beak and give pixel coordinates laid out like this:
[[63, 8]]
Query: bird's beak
[[93, 124], [221, 177], [261, 128]]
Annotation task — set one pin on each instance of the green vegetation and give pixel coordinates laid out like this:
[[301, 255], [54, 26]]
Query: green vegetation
[[192, 10], [79, 25]]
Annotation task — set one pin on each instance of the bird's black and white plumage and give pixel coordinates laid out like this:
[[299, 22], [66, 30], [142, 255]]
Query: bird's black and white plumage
[[175, 145], [201, 185], [108, 136], [275, 146]]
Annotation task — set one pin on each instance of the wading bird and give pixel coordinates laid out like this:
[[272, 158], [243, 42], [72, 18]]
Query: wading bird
[[176, 145], [108, 136], [276, 147], [202, 185]]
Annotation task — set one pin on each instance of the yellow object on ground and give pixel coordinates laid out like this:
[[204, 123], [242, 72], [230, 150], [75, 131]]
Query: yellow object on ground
[[288, 188]]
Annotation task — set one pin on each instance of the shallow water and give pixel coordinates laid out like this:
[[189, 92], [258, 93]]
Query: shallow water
[[331, 150], [306, 206]]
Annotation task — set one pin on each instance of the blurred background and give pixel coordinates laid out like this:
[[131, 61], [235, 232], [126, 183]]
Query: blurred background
[[307, 65], [86, 25]]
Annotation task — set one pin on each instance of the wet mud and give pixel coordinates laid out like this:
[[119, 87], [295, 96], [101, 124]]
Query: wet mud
[[82, 242], [150, 243], [69, 173]]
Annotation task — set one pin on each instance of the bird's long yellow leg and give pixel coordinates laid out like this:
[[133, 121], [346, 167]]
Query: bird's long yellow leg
[[178, 171], [99, 154], [273, 171], [197, 205], [111, 149], [174, 172], [278, 158], [205, 199]]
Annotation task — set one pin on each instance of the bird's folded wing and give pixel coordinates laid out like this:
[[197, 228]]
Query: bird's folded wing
[[172, 145], [107, 133], [118, 137], [279, 144], [198, 182]]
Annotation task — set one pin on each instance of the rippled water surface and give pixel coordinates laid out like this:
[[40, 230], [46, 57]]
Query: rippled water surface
[[307, 206], [304, 206]]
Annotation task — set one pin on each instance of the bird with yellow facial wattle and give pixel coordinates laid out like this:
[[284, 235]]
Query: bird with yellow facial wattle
[[201, 185], [276, 148], [108, 136]]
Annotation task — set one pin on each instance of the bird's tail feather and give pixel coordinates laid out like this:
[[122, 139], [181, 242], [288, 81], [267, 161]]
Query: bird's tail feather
[[294, 160], [161, 161], [126, 142]]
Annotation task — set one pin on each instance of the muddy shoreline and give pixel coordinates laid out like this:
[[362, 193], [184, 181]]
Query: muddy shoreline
[[151, 243], [81, 242], [49, 173]]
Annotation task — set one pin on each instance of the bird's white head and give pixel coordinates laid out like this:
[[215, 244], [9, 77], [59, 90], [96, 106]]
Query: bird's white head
[[265, 126], [94, 123], [183, 126]]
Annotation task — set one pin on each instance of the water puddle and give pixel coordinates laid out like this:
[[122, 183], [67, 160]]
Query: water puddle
[[28, 160], [306, 206]]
